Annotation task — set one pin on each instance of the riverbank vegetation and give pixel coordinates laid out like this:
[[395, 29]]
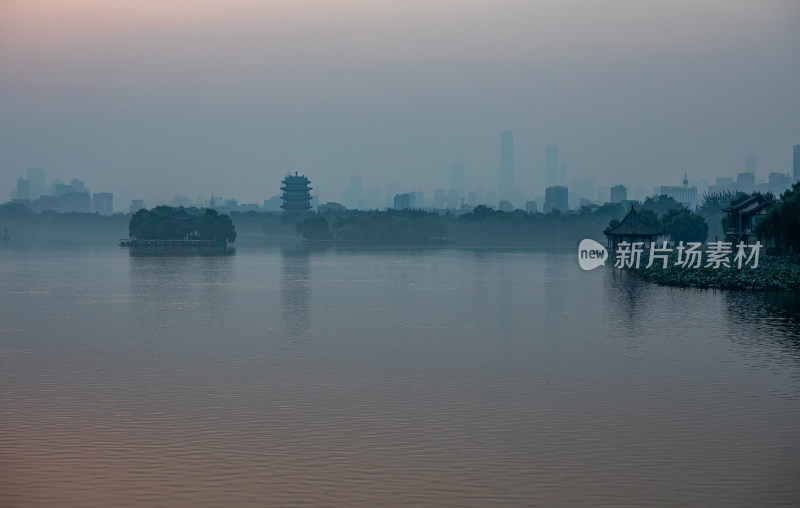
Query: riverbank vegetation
[[772, 273]]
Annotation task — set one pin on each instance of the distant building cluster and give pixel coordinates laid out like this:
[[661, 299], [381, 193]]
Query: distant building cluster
[[60, 197], [295, 191]]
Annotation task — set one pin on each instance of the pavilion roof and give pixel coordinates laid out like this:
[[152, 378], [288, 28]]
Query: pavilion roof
[[632, 225], [751, 205]]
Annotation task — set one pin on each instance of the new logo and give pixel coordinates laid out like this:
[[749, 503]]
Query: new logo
[[591, 254]]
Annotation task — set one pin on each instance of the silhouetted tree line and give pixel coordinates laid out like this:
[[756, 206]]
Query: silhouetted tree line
[[483, 226]]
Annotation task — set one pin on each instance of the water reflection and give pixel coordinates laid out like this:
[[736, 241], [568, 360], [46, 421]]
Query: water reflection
[[766, 326], [295, 291], [167, 284], [178, 252]]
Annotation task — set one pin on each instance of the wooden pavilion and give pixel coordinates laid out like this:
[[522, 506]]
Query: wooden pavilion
[[631, 229]]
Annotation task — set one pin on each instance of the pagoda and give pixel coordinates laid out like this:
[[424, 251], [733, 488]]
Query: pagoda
[[296, 194]]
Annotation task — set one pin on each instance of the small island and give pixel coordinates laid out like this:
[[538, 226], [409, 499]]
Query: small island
[[166, 226]]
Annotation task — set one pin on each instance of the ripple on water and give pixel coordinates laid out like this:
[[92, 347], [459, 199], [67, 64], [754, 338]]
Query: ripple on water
[[449, 390]]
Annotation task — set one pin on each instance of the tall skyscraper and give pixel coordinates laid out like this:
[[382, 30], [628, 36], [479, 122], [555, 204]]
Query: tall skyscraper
[[618, 193], [796, 163], [556, 198], [459, 181], [551, 165], [507, 166], [353, 196], [36, 179], [103, 203], [750, 163]]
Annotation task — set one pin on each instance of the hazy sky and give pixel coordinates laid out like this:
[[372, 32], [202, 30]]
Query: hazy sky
[[201, 96]]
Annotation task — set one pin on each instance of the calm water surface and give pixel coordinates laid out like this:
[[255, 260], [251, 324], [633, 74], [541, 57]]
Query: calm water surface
[[368, 377]]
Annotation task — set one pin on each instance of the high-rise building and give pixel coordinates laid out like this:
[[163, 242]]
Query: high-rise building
[[392, 190], [403, 201], [746, 181], [78, 202], [681, 193], [103, 203], [36, 179], [459, 180], [506, 187], [138, 204], [438, 198], [556, 198], [618, 194], [750, 163], [551, 165], [453, 200], [296, 194], [23, 191], [796, 163], [417, 199], [353, 196]]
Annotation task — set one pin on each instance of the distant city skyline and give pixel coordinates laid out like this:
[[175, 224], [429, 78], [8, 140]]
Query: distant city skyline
[[355, 195], [580, 191]]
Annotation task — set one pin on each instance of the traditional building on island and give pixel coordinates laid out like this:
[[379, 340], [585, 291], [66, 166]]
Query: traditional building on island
[[296, 194], [631, 229], [745, 216]]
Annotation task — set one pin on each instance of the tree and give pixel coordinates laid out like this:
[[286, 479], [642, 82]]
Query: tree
[[169, 223], [684, 226], [661, 204], [711, 209], [479, 213], [15, 211], [782, 223], [650, 218], [215, 227], [314, 227], [714, 202]]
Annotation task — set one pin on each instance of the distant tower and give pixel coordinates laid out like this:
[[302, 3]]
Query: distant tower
[[36, 179], [551, 165], [685, 180], [296, 194], [796, 163], [459, 181], [750, 163], [556, 198], [618, 194], [507, 166]]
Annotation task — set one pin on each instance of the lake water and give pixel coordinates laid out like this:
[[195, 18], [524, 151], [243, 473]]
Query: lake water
[[372, 377]]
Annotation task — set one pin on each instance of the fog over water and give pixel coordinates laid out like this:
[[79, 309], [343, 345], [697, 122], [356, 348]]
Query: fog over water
[[197, 98]]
